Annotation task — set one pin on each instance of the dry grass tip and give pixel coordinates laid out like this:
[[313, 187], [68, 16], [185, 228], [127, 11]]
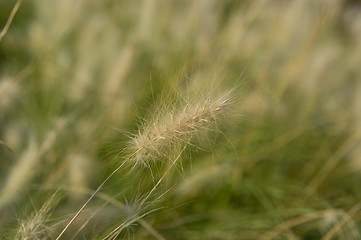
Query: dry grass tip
[[168, 131]]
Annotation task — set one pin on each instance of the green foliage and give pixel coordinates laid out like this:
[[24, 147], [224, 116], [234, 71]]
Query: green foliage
[[89, 86]]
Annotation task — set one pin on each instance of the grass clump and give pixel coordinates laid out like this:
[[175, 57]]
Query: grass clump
[[164, 134], [87, 84]]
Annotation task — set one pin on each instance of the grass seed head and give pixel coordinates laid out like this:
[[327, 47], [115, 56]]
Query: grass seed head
[[168, 131], [35, 225]]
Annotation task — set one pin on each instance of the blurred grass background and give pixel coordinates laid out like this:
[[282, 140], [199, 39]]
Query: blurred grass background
[[76, 77]]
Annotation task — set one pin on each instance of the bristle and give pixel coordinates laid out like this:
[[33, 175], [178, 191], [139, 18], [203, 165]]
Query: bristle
[[159, 137]]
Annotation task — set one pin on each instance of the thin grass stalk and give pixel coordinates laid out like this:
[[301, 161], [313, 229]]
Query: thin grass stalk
[[90, 198]]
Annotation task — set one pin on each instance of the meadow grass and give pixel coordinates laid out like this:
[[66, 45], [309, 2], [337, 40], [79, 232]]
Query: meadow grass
[[165, 119]]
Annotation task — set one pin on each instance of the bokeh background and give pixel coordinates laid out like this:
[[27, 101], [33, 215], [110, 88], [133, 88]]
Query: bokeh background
[[78, 78]]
